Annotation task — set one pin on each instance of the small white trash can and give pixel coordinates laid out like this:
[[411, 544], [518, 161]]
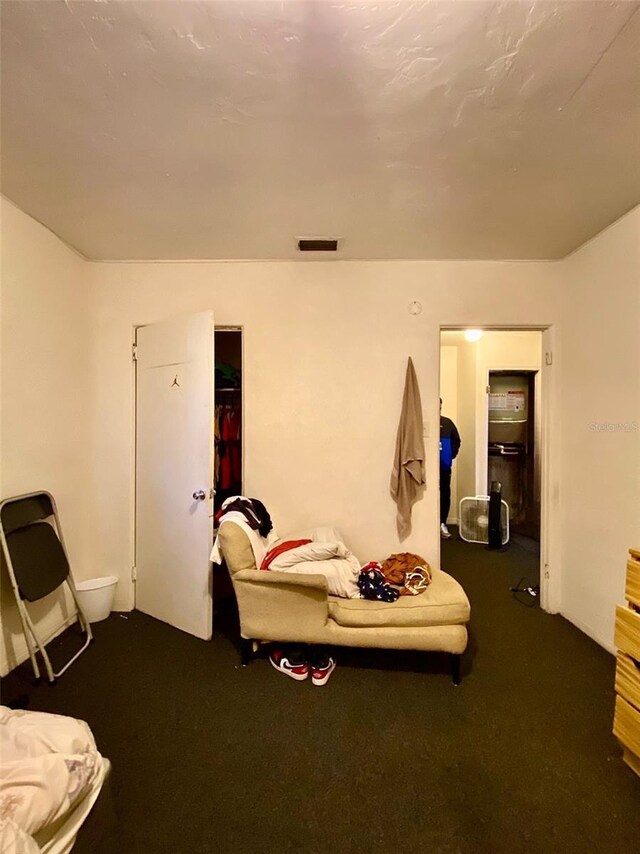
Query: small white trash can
[[96, 597]]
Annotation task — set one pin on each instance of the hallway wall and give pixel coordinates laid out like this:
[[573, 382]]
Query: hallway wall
[[449, 395]]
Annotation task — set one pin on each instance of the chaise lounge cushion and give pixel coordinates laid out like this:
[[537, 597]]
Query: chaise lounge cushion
[[443, 603]]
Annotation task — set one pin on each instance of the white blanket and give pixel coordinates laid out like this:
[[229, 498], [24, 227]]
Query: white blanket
[[50, 766], [331, 559]]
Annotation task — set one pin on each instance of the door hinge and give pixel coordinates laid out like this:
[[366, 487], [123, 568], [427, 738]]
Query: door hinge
[[134, 352], [134, 574], [488, 389], [548, 358]]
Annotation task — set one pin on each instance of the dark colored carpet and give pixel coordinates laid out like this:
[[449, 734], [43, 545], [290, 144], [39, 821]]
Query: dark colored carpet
[[389, 756]]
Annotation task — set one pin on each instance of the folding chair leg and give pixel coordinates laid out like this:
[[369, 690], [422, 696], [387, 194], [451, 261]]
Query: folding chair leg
[[41, 648], [24, 619], [77, 655], [82, 617]]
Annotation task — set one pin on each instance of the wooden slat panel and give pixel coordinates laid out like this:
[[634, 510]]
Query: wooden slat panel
[[628, 679], [626, 726], [627, 637], [632, 590], [635, 553], [632, 761]]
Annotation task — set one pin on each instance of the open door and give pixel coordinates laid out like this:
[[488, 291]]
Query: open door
[[174, 471]]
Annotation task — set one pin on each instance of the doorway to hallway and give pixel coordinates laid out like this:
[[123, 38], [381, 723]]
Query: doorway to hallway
[[491, 386]]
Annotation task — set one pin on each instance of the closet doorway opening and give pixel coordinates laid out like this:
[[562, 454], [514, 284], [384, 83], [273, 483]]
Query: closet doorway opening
[[513, 453], [228, 415], [495, 386]]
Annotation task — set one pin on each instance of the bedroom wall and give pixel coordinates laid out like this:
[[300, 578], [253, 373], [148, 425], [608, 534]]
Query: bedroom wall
[[45, 393], [313, 333], [600, 413], [326, 346]]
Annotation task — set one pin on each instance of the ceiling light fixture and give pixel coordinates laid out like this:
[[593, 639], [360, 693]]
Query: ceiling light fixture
[[472, 334]]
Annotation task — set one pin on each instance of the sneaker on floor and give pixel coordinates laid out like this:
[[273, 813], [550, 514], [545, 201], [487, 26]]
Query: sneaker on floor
[[444, 532], [320, 675], [296, 670]]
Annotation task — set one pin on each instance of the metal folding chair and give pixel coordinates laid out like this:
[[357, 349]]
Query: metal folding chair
[[37, 563]]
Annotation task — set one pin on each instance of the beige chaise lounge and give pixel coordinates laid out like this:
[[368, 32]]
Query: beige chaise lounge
[[279, 606]]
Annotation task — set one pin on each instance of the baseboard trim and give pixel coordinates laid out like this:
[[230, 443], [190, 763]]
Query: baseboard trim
[[588, 631]]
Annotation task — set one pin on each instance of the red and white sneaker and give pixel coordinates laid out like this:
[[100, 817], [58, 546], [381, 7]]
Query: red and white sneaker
[[299, 672], [320, 675]]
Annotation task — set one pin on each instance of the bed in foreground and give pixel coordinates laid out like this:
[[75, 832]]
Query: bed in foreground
[[51, 774]]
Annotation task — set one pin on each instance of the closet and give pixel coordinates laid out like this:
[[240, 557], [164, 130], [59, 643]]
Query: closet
[[228, 420]]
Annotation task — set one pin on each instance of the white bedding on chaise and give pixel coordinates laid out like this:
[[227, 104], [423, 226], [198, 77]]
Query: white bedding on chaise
[[51, 774]]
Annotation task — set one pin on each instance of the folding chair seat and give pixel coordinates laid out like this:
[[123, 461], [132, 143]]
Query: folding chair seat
[[38, 564]]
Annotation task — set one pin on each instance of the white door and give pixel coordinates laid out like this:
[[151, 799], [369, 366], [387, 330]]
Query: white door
[[174, 471]]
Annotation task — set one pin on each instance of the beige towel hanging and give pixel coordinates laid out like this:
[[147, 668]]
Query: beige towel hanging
[[407, 476]]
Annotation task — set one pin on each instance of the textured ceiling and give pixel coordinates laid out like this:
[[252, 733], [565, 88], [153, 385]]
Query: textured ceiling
[[140, 130]]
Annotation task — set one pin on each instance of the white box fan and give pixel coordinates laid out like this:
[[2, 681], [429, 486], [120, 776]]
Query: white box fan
[[474, 519]]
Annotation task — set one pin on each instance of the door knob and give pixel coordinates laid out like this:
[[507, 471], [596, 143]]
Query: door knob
[[200, 495]]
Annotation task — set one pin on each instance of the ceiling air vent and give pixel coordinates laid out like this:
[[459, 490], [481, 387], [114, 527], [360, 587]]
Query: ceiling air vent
[[316, 244]]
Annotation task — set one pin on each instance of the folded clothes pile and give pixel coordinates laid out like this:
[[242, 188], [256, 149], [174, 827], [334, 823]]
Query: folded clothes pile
[[372, 585], [403, 574], [410, 572]]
